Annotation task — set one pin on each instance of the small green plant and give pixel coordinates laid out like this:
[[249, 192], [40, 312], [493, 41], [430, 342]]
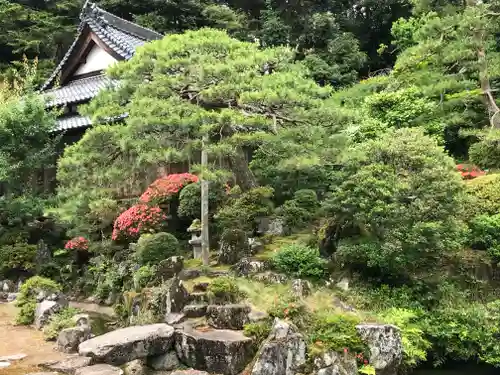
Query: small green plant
[[224, 290], [144, 276], [58, 322], [289, 308], [367, 370], [153, 248], [26, 301], [17, 257], [485, 235], [336, 332], [259, 330], [300, 261]]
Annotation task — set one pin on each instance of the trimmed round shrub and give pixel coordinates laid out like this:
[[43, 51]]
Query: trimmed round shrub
[[153, 248], [300, 261]]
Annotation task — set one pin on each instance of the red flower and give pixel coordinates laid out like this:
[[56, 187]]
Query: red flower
[[77, 243], [136, 220], [165, 187], [365, 362], [469, 172], [346, 350]]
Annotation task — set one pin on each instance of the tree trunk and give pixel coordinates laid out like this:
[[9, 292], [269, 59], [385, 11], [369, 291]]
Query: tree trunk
[[205, 240], [244, 176]]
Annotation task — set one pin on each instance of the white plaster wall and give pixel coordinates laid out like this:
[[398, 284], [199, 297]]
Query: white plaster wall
[[97, 59]]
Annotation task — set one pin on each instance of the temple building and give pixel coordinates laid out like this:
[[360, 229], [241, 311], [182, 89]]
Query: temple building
[[102, 40]]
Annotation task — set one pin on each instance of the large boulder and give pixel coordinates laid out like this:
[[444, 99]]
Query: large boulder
[[164, 362], [247, 266], [47, 308], [100, 369], [69, 365], [170, 267], [233, 246], [126, 344], [228, 316], [69, 338], [216, 351], [386, 349], [176, 296], [333, 363], [283, 353]]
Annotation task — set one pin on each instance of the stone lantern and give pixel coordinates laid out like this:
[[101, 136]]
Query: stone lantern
[[195, 241]]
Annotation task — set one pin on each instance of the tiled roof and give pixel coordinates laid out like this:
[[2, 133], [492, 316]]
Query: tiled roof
[[72, 122], [77, 91], [122, 36]]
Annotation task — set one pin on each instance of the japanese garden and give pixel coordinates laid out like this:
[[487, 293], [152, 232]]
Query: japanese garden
[[258, 187]]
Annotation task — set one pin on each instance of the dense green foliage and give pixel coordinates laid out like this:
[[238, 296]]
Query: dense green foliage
[[26, 301], [300, 261], [57, 322], [153, 248], [224, 290]]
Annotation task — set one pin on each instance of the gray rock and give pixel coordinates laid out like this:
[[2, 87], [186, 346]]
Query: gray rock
[[257, 316], [176, 296], [270, 277], [174, 318], [247, 267], [42, 373], [8, 286], [11, 297], [333, 363], [343, 284], [69, 338], [189, 372], [216, 351], [255, 245], [301, 288], [233, 246], [164, 362], [126, 344], [228, 316], [198, 298], [81, 320], [170, 267], [189, 274], [342, 305], [195, 311], [272, 226], [69, 365], [101, 369], [135, 367], [386, 349], [283, 353], [13, 358], [47, 308]]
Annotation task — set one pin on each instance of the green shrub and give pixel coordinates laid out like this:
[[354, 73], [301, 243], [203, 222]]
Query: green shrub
[[26, 300], [299, 211], [258, 331], [485, 195], [486, 153], [58, 322], [143, 277], [17, 257], [243, 209], [190, 199], [335, 332], [289, 308], [224, 290], [153, 248], [485, 235], [300, 261]]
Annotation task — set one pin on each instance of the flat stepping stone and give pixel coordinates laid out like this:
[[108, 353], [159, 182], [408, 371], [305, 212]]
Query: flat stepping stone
[[195, 311], [69, 365], [174, 318], [126, 344], [101, 369], [233, 316], [215, 351], [14, 357]]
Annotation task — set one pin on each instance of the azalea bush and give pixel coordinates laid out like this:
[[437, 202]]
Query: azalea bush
[[77, 243], [165, 187], [137, 220], [470, 172]]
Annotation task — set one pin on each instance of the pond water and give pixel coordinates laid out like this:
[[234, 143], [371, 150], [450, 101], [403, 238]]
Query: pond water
[[459, 369]]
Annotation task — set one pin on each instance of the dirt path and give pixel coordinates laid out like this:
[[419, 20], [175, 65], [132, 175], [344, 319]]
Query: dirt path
[[26, 340]]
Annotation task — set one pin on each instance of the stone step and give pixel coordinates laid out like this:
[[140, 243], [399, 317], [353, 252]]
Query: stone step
[[231, 316], [195, 311], [198, 297], [213, 350]]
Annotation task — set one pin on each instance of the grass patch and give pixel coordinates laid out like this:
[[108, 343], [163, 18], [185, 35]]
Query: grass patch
[[277, 243], [189, 284]]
